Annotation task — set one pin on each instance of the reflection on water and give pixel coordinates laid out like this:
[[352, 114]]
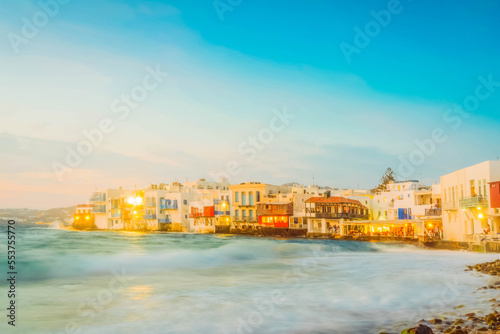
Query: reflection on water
[[139, 292], [98, 282]]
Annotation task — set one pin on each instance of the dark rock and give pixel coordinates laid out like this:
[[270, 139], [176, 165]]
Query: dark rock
[[436, 321], [421, 329]]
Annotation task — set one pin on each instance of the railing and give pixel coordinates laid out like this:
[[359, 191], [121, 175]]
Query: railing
[[340, 215], [245, 219], [99, 209], [450, 206], [222, 213], [473, 202], [149, 216], [168, 206], [164, 220], [196, 215], [287, 211], [98, 198], [433, 212]]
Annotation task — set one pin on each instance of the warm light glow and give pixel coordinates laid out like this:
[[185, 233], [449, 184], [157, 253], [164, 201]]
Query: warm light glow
[[135, 212], [77, 217], [479, 208], [87, 217], [430, 225], [138, 200], [131, 200], [481, 216]]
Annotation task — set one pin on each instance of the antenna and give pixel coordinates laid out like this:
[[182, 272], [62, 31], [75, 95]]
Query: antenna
[[313, 181]]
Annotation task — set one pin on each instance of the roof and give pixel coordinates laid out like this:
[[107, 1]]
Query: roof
[[333, 199], [275, 203]]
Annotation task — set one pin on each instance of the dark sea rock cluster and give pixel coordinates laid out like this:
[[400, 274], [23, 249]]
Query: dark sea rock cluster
[[469, 323], [490, 268]]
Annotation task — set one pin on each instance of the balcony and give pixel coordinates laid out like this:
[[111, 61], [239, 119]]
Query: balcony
[[340, 215], [275, 210], [99, 209], [149, 216], [168, 205], [473, 202], [164, 221], [245, 219], [433, 212], [450, 206], [196, 215], [222, 213], [98, 197]]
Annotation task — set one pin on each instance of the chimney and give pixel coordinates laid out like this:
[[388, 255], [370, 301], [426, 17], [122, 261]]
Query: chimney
[[327, 194]]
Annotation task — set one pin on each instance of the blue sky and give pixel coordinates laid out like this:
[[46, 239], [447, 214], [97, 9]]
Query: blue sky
[[351, 121]]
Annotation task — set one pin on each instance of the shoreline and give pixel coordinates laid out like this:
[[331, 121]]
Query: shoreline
[[468, 323], [417, 242], [449, 321]]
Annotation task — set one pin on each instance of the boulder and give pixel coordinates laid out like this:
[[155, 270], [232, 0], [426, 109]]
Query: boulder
[[420, 329]]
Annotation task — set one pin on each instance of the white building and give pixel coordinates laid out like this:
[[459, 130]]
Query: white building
[[468, 214]]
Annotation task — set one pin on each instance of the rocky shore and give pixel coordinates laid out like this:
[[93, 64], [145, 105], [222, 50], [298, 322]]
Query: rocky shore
[[469, 323]]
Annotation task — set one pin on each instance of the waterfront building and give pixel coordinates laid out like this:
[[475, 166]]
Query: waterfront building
[[275, 213], [159, 207], [108, 208], [469, 206], [246, 196], [325, 214], [84, 218], [207, 214]]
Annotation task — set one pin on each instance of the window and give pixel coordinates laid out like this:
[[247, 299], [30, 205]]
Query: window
[[251, 199], [479, 188], [251, 213], [485, 188], [472, 188], [237, 213], [185, 216], [243, 199], [237, 196], [185, 202], [258, 196], [244, 213]]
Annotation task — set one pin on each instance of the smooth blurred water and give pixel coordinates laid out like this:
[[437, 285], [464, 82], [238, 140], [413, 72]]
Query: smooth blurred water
[[189, 283]]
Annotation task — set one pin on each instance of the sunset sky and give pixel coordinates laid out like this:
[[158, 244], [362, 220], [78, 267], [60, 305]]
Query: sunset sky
[[227, 79]]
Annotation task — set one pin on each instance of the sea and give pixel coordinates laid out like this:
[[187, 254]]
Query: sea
[[129, 282]]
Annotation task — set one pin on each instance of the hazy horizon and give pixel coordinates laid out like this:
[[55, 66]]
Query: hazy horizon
[[216, 81]]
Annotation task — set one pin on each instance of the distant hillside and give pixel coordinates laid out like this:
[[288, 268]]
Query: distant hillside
[[64, 215], [291, 184]]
